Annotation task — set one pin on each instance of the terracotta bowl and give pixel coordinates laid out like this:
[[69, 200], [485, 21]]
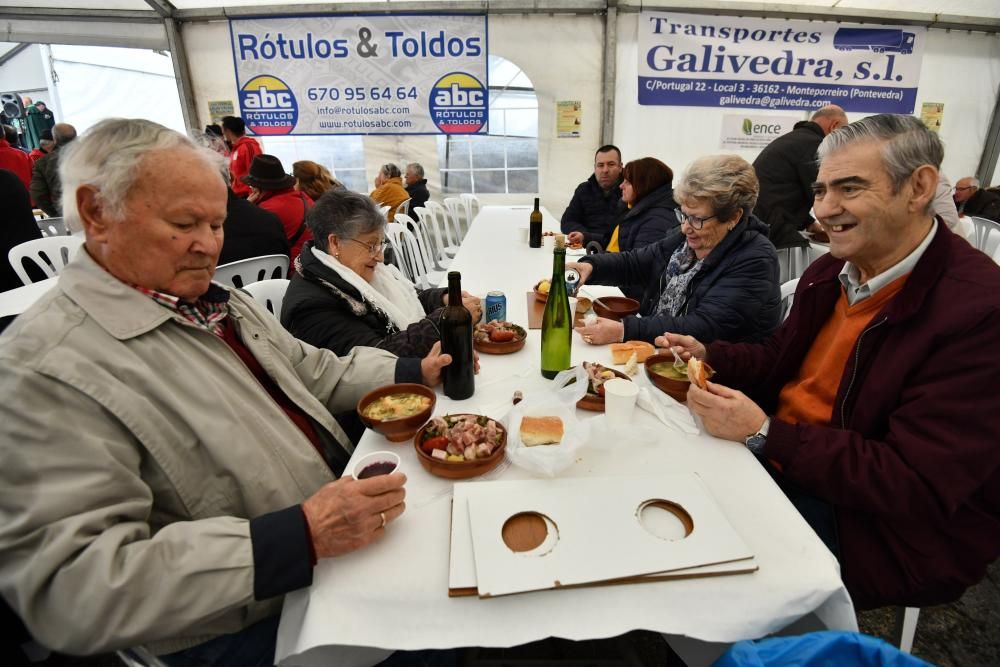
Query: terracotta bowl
[[538, 295], [398, 430], [489, 347], [676, 389], [615, 307], [459, 469]]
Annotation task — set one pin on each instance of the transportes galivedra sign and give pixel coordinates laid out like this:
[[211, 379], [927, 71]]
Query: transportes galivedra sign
[[413, 74], [726, 61]]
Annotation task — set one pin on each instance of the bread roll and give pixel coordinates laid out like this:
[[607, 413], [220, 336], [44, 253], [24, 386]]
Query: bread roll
[[620, 352], [696, 372], [541, 431]]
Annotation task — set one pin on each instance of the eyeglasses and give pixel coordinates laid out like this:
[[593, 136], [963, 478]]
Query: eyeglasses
[[374, 249], [693, 220], [957, 189]]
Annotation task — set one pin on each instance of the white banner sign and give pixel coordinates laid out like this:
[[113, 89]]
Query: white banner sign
[[726, 61], [745, 132], [413, 74]]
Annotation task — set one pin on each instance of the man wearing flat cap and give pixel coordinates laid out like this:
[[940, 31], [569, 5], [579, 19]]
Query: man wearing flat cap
[[274, 190]]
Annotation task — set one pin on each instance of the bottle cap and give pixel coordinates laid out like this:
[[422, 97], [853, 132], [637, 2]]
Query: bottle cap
[[560, 241]]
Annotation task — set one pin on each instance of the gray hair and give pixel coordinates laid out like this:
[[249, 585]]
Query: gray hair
[[908, 144], [344, 214], [108, 156], [973, 181], [416, 169], [390, 170], [727, 181]]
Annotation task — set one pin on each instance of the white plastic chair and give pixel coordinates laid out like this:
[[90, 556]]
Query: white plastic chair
[[270, 293], [426, 263], [996, 255], [792, 262], [384, 210], [409, 257], [787, 296], [255, 269], [470, 203], [906, 627], [427, 222], [404, 208], [50, 254], [987, 236], [447, 236], [456, 209]]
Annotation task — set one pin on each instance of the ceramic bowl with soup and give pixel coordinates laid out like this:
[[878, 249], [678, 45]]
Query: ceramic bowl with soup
[[672, 381], [397, 411]]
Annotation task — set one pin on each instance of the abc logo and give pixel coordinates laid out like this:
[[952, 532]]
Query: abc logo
[[458, 104], [268, 106]]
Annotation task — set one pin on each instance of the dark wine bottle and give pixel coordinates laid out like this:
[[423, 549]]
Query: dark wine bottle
[[456, 340], [535, 228], [557, 321]]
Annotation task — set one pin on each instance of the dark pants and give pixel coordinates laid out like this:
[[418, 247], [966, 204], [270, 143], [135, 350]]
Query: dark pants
[[818, 513], [254, 647]]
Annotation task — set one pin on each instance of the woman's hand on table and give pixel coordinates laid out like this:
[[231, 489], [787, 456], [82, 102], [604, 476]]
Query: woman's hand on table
[[602, 332], [685, 346], [583, 268], [727, 413], [431, 365], [348, 514]]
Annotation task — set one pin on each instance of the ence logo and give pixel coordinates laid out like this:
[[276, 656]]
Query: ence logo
[[458, 104], [269, 106]]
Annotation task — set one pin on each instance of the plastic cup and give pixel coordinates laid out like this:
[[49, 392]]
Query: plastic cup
[[572, 306], [619, 401], [375, 464]]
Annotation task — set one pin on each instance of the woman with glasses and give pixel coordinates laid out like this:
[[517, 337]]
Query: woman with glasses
[[343, 295], [714, 278]]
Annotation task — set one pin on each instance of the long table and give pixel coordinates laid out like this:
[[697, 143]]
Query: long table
[[394, 594]]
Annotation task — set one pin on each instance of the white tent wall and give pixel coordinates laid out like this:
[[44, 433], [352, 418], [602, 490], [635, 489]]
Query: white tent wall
[[24, 73], [569, 69], [960, 69]]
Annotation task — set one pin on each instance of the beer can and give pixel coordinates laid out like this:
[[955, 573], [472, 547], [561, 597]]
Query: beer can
[[572, 281], [496, 306]]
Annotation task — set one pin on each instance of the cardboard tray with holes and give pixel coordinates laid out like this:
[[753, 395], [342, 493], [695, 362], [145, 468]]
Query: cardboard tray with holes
[[525, 535]]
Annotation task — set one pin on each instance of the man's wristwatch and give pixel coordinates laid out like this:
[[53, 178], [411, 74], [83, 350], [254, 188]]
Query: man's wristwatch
[[755, 442]]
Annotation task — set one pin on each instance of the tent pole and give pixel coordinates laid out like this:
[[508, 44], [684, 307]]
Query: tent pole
[[178, 55], [609, 74], [991, 148]]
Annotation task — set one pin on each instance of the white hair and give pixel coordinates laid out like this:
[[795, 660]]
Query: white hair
[[108, 156]]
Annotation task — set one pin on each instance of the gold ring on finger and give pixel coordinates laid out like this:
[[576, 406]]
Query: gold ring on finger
[[382, 514]]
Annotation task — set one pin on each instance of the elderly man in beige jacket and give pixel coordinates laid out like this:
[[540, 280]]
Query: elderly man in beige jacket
[[170, 464]]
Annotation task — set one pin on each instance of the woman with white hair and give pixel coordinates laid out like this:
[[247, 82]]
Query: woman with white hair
[[343, 295], [389, 190]]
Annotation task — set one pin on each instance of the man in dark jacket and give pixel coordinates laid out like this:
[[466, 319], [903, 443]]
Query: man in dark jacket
[[871, 404], [250, 231], [416, 186], [18, 224], [596, 203], [970, 200], [46, 187], [786, 169]]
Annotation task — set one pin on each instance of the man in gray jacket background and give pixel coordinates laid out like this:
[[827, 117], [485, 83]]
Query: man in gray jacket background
[[171, 467]]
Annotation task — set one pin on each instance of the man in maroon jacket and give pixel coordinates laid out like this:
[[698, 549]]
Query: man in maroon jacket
[[243, 150], [871, 404]]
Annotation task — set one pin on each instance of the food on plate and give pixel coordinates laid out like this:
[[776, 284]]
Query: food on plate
[[620, 352], [598, 375], [697, 372], [396, 406], [582, 304], [541, 431], [461, 437], [498, 331], [632, 365], [543, 286], [668, 370]]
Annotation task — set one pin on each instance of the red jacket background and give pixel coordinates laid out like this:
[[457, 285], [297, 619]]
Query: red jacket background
[[16, 161], [911, 458], [290, 206], [244, 151]]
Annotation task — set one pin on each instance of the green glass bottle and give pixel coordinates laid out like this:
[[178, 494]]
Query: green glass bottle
[[557, 321]]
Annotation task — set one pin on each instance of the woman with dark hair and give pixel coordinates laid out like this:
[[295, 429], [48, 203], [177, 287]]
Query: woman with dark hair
[[647, 189], [343, 295], [716, 278]]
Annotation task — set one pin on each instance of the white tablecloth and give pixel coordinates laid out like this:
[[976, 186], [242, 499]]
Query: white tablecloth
[[394, 594], [17, 300]]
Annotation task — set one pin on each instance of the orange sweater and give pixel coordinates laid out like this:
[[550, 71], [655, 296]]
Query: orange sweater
[[809, 397]]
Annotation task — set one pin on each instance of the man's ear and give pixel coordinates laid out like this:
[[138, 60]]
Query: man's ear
[[924, 182], [92, 212]]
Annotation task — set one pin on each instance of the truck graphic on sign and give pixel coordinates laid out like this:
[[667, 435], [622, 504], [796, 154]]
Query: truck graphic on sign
[[878, 40]]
